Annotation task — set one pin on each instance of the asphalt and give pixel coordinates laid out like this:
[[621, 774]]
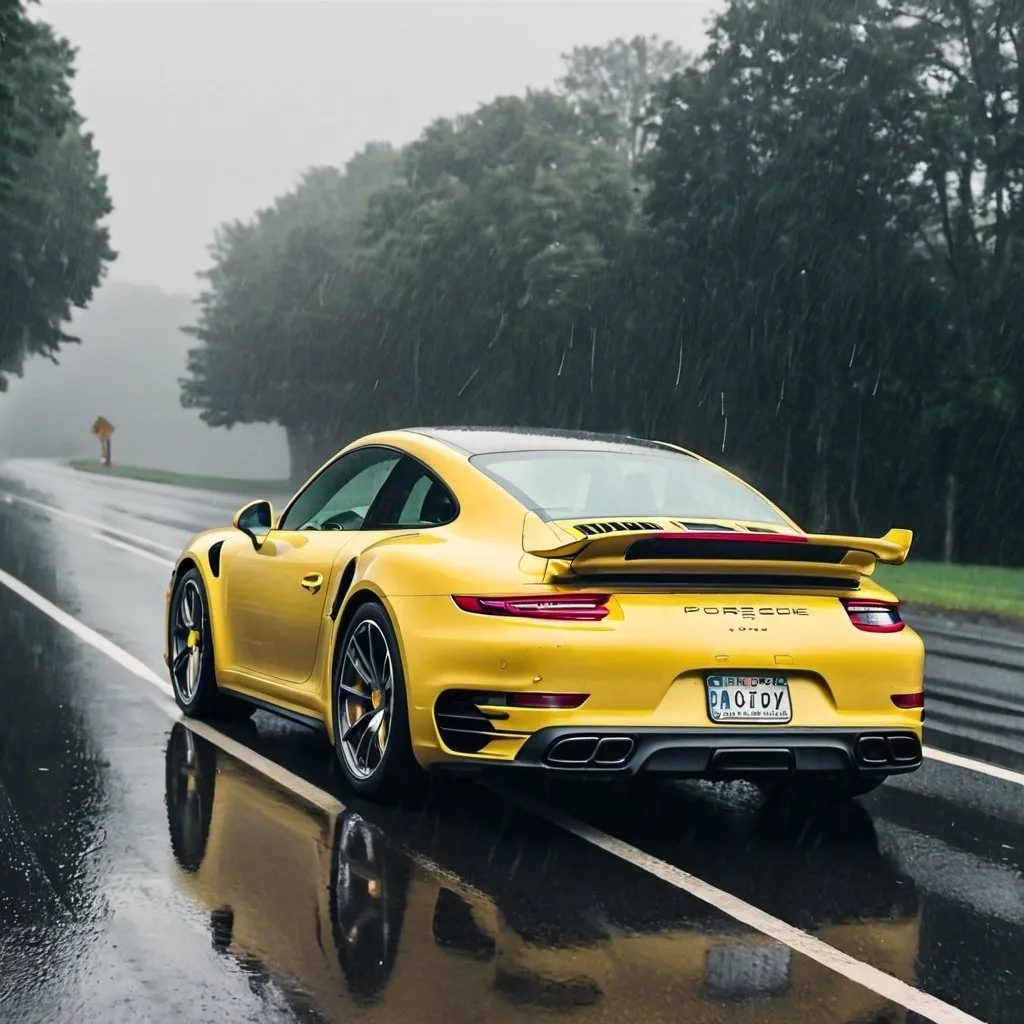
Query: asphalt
[[147, 874]]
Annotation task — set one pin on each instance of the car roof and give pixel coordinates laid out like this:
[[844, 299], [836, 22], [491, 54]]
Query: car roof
[[491, 440]]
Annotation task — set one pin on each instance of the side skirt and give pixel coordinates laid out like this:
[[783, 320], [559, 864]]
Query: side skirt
[[309, 721]]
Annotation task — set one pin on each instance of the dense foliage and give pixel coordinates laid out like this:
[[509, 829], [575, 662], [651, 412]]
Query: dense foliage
[[802, 255], [53, 250]]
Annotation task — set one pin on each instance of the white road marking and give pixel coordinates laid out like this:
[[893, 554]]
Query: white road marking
[[849, 967], [841, 963], [282, 776], [970, 764], [94, 524], [167, 563], [86, 633]]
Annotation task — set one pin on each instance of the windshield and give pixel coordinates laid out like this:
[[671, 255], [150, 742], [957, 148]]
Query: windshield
[[604, 484]]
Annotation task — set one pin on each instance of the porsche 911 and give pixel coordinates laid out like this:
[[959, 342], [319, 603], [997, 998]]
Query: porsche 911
[[571, 604]]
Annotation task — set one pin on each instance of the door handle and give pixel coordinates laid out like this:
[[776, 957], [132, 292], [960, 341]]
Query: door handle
[[313, 582]]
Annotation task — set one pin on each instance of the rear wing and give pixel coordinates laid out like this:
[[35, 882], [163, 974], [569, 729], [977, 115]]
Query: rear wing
[[692, 553]]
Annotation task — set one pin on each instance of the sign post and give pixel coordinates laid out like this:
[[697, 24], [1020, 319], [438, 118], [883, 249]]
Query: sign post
[[104, 430]]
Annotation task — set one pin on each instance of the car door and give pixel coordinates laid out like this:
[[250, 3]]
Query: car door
[[277, 594]]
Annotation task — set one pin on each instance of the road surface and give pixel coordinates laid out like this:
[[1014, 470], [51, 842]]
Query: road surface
[[154, 872]]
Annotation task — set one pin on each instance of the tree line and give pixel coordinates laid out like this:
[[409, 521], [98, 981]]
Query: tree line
[[800, 253], [53, 247]]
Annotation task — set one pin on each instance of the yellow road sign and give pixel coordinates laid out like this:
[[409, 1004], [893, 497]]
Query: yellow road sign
[[102, 428]]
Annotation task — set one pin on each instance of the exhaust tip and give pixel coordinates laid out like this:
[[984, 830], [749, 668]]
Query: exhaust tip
[[613, 750], [873, 750], [904, 749], [575, 750]]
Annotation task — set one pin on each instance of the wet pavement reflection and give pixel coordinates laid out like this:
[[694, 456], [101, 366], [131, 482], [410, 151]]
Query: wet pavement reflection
[[468, 909]]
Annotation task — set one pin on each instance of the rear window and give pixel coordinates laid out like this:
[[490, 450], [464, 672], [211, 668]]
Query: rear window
[[599, 484]]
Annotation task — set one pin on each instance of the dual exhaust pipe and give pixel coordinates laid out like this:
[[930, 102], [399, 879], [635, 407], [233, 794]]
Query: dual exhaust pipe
[[591, 751]]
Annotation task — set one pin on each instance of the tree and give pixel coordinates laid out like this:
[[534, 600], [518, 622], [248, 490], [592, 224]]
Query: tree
[[970, 66], [276, 323], [620, 79], [804, 206], [488, 259], [53, 251]]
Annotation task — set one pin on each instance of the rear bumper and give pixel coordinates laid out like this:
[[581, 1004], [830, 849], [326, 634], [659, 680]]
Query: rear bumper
[[715, 754]]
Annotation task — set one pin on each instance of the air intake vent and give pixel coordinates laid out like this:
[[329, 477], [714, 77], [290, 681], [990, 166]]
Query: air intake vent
[[463, 727], [593, 529], [705, 527]]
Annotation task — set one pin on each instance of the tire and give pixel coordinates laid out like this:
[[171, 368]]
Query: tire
[[190, 641], [827, 790], [384, 770], [190, 769], [369, 892]]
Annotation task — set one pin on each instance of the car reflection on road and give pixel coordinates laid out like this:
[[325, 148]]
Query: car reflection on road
[[489, 921]]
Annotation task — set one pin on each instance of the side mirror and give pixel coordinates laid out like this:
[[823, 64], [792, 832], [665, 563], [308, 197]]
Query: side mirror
[[255, 520]]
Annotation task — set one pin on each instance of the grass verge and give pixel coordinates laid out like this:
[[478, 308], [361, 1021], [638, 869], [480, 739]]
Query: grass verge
[[255, 488], [957, 588]]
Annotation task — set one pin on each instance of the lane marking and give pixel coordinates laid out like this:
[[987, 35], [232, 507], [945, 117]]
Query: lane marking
[[972, 638], [856, 971], [86, 633], [94, 524], [125, 484], [166, 563], [813, 948], [313, 794], [982, 767]]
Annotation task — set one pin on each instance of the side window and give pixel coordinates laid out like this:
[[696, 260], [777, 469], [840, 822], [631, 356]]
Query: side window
[[341, 496], [413, 508], [412, 498]]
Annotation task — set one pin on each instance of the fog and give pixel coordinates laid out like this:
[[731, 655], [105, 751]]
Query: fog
[[127, 369], [203, 112]]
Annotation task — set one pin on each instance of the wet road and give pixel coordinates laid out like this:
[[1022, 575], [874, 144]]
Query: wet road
[[151, 872]]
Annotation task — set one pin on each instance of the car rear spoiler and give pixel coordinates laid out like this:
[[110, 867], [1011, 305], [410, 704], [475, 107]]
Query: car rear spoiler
[[643, 552]]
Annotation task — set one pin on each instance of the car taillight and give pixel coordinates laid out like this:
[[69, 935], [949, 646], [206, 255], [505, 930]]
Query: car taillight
[[908, 700], [874, 616], [564, 607]]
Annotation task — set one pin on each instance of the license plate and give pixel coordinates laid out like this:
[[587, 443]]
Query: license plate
[[748, 699]]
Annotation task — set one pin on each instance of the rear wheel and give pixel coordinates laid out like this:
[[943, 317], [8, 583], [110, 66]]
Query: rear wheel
[[193, 674], [371, 710], [826, 790]]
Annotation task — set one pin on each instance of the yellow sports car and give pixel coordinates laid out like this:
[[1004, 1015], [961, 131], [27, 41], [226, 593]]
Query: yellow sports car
[[564, 602]]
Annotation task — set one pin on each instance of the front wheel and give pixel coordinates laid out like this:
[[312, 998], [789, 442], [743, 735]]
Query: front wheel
[[371, 710], [193, 675]]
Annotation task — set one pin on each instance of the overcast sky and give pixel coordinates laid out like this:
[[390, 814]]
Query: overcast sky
[[205, 110]]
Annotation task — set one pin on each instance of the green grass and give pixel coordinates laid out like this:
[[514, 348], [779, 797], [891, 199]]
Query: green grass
[[959, 588], [255, 488]]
